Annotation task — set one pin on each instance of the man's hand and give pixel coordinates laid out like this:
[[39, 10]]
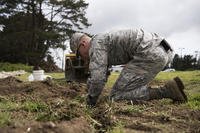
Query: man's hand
[[91, 101]]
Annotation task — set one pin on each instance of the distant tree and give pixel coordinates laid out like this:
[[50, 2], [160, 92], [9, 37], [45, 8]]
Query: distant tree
[[16, 40], [189, 62], [185, 63], [177, 62], [31, 27], [198, 64]]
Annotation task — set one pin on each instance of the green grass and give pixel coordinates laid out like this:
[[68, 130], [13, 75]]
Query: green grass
[[187, 76], [14, 67], [117, 129], [44, 112], [130, 109], [30, 106], [24, 77], [5, 118], [60, 75], [5, 107], [191, 80], [8, 105], [34, 106], [47, 116], [194, 101]]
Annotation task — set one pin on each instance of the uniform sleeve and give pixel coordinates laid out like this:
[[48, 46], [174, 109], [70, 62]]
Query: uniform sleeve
[[98, 68]]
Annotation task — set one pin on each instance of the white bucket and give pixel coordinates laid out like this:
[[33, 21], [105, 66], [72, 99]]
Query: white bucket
[[38, 75]]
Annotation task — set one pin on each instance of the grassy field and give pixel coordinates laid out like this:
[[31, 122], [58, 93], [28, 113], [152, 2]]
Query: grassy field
[[59, 102], [53, 75], [191, 81]]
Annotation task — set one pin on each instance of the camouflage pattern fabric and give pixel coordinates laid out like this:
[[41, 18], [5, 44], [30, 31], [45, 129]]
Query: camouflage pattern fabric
[[139, 50]]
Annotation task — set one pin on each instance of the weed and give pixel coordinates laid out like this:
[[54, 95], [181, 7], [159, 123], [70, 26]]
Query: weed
[[56, 115], [47, 116], [129, 109], [72, 110], [34, 106], [80, 99], [7, 105], [5, 118], [118, 128], [68, 115], [50, 114]]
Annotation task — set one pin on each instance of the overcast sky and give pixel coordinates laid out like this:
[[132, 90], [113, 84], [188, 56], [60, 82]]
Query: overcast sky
[[176, 20]]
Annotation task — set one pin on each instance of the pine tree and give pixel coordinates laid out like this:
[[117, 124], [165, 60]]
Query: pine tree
[[31, 27], [188, 62]]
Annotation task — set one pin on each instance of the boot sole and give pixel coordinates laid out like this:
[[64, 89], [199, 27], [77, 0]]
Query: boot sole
[[181, 87], [180, 95], [179, 83]]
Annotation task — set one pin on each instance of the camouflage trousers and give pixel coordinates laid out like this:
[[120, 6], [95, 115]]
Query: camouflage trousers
[[132, 83]]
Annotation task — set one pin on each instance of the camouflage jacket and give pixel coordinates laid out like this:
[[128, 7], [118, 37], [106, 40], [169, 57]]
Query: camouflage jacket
[[116, 48]]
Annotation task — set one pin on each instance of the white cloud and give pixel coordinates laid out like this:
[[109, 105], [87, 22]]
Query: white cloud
[[187, 41], [177, 20], [154, 15]]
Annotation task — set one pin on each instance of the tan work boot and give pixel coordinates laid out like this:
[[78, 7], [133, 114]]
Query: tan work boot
[[172, 89], [175, 88], [179, 83]]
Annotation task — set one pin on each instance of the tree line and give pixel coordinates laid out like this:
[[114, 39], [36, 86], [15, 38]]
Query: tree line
[[31, 27], [187, 62]]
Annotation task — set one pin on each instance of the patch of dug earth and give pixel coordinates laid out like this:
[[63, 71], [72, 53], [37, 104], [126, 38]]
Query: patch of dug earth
[[42, 102], [191, 119], [157, 116], [76, 125], [141, 127], [60, 107], [39, 90], [187, 114], [104, 116]]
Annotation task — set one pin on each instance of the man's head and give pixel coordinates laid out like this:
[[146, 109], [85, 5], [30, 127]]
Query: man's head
[[74, 41], [80, 44]]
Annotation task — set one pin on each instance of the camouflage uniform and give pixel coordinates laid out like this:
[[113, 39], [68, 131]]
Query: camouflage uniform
[[139, 50]]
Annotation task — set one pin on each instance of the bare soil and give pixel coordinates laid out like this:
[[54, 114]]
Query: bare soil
[[66, 111]]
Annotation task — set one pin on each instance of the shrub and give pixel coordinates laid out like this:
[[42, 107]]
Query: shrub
[[5, 66]]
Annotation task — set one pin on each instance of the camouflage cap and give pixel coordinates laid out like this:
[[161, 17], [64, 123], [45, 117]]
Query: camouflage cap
[[74, 41]]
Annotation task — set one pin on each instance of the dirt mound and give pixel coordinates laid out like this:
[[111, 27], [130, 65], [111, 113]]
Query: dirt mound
[[9, 85], [43, 101], [40, 90], [9, 80]]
